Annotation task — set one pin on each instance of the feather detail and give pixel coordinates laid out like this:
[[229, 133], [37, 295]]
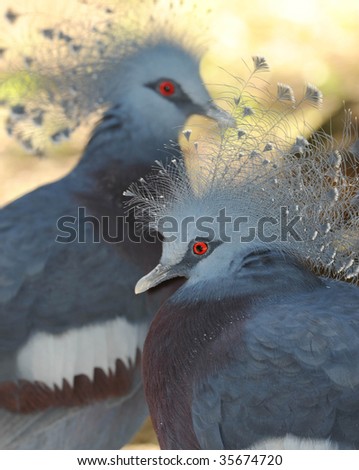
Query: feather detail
[[269, 168]]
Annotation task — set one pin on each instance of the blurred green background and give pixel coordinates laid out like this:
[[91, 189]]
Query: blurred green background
[[313, 41]]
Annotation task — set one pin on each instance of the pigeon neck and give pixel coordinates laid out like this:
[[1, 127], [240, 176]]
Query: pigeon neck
[[120, 139], [114, 159]]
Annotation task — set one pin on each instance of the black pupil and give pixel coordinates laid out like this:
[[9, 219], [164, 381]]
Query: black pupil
[[167, 88], [199, 248]]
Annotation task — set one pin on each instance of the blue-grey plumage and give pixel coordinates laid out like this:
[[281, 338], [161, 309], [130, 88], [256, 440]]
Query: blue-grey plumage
[[260, 350], [71, 331], [260, 345]]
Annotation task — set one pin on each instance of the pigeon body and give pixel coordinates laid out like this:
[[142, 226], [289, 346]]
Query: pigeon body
[[260, 344], [264, 351], [71, 330]]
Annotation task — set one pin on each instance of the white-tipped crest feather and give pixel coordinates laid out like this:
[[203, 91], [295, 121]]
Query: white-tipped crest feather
[[263, 168]]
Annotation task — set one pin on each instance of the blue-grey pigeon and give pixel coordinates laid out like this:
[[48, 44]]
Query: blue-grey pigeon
[[71, 329], [259, 348]]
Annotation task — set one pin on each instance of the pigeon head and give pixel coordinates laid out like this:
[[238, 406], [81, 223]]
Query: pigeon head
[[221, 247], [159, 86], [261, 196], [143, 79]]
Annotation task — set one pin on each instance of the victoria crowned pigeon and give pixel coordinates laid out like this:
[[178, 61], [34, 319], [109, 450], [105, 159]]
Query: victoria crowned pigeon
[[71, 329], [259, 348]]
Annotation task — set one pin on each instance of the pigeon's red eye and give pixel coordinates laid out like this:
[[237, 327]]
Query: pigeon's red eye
[[200, 248], [167, 88]]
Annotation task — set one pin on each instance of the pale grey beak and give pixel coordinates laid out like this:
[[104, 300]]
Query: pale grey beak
[[223, 118], [159, 274]]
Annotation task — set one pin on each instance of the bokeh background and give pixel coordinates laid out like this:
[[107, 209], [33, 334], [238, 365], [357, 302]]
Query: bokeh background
[[314, 41]]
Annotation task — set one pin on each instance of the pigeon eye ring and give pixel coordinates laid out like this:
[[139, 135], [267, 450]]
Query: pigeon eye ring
[[167, 88], [200, 248]]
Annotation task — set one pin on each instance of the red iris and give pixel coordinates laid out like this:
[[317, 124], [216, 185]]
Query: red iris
[[200, 248], [167, 88]]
